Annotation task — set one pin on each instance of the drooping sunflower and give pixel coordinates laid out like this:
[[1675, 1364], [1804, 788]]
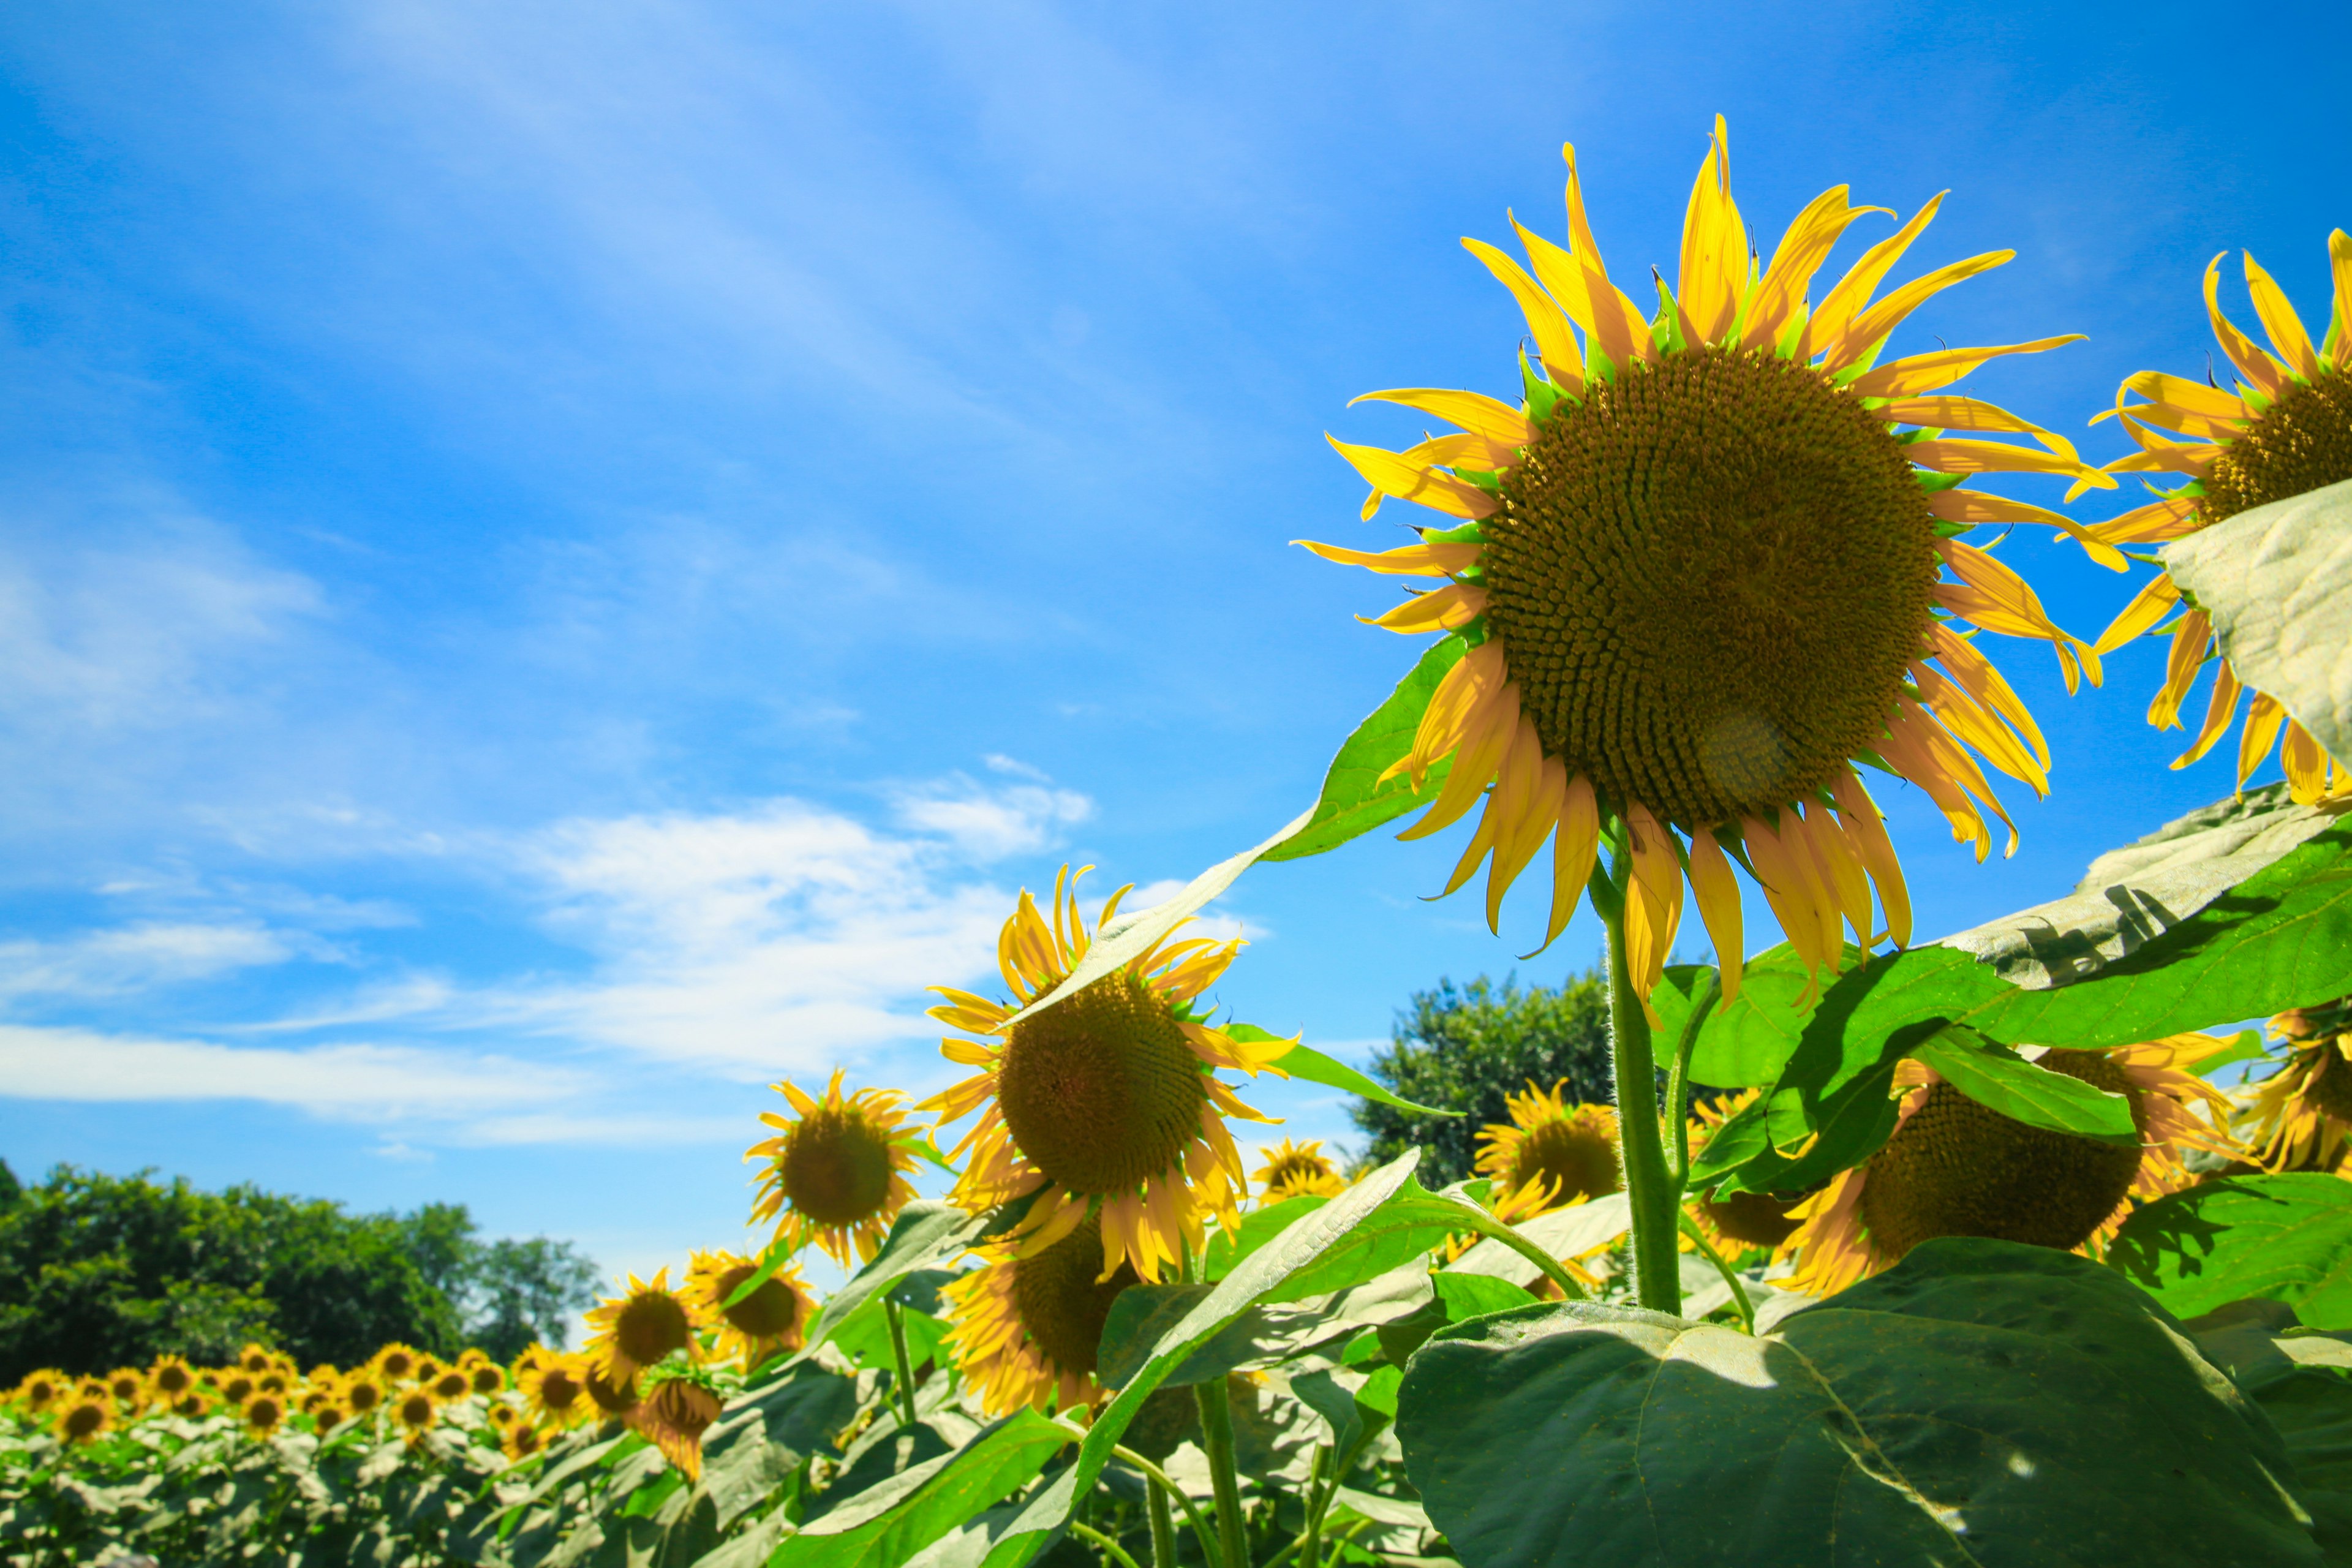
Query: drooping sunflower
[[1025, 1328], [836, 1174], [1108, 1102], [637, 1328], [2302, 1114], [171, 1377], [1296, 1170], [1551, 1153], [82, 1415], [263, 1414], [1734, 1223], [1955, 1168], [2286, 429], [770, 1320], [37, 1391], [673, 1417], [1698, 573], [557, 1388]]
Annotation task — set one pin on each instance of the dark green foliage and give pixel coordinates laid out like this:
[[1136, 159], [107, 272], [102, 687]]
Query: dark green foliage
[[99, 1271], [1465, 1048]]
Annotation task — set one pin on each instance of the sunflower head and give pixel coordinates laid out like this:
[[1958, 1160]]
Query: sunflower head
[[127, 1386], [836, 1172], [237, 1387], [484, 1377], [1294, 1169], [82, 1415], [1706, 565], [1027, 1329], [451, 1384], [673, 1417], [1108, 1102], [2302, 1114], [40, 1390], [414, 1411], [364, 1392], [264, 1414], [609, 1397], [2284, 428], [639, 1327], [1955, 1167], [193, 1406], [557, 1388], [171, 1376], [1554, 1153], [256, 1359], [327, 1415], [768, 1322], [521, 1442], [397, 1362]]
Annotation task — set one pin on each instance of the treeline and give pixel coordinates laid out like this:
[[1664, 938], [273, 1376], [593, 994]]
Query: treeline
[[99, 1271]]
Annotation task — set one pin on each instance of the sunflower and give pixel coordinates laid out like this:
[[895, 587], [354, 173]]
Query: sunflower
[[414, 1411], [171, 1377], [673, 1418], [365, 1392], [1026, 1326], [40, 1390], [1109, 1094], [263, 1414], [82, 1415], [256, 1359], [327, 1415], [425, 1369], [501, 1415], [193, 1406], [1699, 572], [556, 1387], [484, 1375], [1954, 1168], [237, 1387], [639, 1327], [2286, 429], [1734, 1223], [127, 1386], [1294, 1169], [836, 1177], [521, 1441], [2302, 1115], [397, 1362], [612, 1399], [1551, 1153], [770, 1322], [531, 1356], [451, 1385]]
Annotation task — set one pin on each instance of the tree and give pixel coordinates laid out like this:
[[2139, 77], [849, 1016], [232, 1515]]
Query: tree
[[525, 1290], [1465, 1048]]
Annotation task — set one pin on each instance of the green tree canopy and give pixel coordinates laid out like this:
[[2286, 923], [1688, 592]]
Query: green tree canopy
[[98, 1271], [1466, 1048]]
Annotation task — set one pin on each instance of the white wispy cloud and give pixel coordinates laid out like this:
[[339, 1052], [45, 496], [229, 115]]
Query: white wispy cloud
[[138, 958]]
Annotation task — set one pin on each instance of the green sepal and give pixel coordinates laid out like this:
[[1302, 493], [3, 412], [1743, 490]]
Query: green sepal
[[1930, 480], [1466, 534], [1542, 396]]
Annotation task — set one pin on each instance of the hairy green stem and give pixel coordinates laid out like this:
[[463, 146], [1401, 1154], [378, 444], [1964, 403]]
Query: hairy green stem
[[1678, 1080], [1163, 1526], [1318, 1489], [891, 1311], [1217, 1442], [1105, 1541], [1166, 1488], [1651, 1191]]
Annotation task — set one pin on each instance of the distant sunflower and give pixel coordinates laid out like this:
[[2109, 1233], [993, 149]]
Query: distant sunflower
[[1109, 1101], [639, 1327], [365, 1392], [171, 1377], [193, 1406], [556, 1386], [237, 1387], [483, 1375], [82, 1415], [128, 1385], [673, 1417], [2303, 1113], [610, 1398], [530, 1356], [1025, 1328], [521, 1442], [40, 1390], [414, 1411], [425, 1369], [1551, 1153], [256, 1359], [836, 1174], [1298, 1170], [770, 1320], [327, 1415], [1734, 1223], [1955, 1168], [263, 1414], [397, 1362], [1699, 574], [2286, 429]]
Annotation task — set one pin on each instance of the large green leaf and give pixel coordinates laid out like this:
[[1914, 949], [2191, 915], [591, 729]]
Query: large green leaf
[[2286, 1239], [926, 1234], [2277, 581], [1263, 1275], [1354, 799], [1300, 1061], [1270, 1332], [2000, 1080], [1980, 1404], [890, 1521], [764, 1434]]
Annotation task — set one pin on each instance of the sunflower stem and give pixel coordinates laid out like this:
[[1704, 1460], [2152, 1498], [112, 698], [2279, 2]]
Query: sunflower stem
[[1089, 1532], [1310, 1547], [891, 1311], [1217, 1441], [1678, 1080], [1739, 1287], [1165, 1489], [1652, 1194], [1163, 1527]]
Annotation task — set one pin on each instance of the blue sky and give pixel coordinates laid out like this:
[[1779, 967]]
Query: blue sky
[[558, 563]]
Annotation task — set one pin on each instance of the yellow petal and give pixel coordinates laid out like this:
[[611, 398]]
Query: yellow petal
[[1487, 733], [1984, 682], [1716, 892], [1519, 798], [1499, 423], [2149, 606], [1976, 506], [1802, 250], [2265, 373], [2277, 315], [1390, 473], [1654, 902], [2306, 765], [1927, 373], [2219, 709], [1871, 326], [2340, 262], [1456, 605], [2264, 717], [1860, 816], [2182, 664], [1434, 559], [1575, 847], [1828, 324], [1714, 270], [1563, 362]]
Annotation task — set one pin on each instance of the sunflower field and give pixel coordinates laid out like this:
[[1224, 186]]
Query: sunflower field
[[2028, 1245]]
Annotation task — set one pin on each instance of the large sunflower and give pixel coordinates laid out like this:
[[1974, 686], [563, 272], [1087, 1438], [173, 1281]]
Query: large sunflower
[[1699, 571], [1551, 1153], [770, 1322], [2303, 1113], [1026, 1326], [2286, 429], [1955, 1168], [1108, 1101], [1298, 1170], [640, 1326], [837, 1175]]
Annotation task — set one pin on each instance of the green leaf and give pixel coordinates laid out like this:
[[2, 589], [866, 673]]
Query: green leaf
[[2277, 581], [926, 1234], [1473, 1295], [1313, 1066], [1981, 1404], [1263, 1275], [2246, 1047], [889, 1523], [2286, 1239], [1259, 1226], [1354, 799], [2000, 1080], [865, 1337], [1270, 1332], [1570, 1232]]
